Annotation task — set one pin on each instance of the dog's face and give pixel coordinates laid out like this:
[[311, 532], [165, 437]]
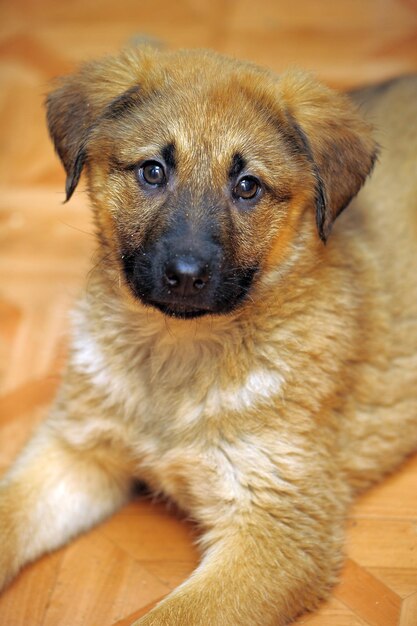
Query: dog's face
[[203, 170]]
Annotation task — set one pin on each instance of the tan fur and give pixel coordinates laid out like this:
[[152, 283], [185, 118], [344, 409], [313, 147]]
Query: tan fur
[[264, 422]]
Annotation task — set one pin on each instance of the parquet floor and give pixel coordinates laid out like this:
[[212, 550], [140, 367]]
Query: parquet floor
[[118, 570]]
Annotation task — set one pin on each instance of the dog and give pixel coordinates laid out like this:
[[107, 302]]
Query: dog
[[237, 349]]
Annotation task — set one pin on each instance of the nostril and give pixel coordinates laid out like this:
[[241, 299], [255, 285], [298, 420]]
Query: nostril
[[171, 279], [200, 283]]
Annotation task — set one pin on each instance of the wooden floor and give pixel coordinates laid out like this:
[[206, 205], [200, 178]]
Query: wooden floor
[[121, 568]]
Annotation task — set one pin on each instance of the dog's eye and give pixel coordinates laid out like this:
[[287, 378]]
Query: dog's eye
[[152, 173], [247, 188]]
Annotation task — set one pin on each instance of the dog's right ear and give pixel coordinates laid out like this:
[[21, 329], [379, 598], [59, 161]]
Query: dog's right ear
[[69, 117], [78, 101]]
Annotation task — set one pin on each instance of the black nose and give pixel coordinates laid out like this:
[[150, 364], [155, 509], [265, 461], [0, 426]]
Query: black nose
[[186, 276]]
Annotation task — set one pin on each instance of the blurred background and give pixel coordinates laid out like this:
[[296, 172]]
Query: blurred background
[[45, 251]]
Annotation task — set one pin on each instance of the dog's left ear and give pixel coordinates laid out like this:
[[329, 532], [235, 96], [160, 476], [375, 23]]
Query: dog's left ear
[[335, 139]]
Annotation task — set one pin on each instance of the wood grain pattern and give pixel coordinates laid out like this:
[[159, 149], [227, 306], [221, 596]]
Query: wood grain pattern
[[116, 572]]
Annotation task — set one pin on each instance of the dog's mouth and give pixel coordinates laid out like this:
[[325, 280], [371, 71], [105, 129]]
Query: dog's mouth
[[180, 310], [186, 289]]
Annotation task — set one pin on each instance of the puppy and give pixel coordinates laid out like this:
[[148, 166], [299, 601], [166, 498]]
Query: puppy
[[230, 350]]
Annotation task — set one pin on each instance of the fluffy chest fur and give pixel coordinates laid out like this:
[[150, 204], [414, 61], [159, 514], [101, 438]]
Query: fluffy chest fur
[[175, 378]]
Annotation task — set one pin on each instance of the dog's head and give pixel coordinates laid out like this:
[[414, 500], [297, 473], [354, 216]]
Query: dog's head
[[202, 169]]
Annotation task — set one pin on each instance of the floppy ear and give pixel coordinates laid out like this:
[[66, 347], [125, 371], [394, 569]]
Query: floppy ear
[[79, 101], [335, 139]]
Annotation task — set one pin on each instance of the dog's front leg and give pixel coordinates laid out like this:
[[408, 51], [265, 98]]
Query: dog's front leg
[[273, 549], [249, 578], [55, 490]]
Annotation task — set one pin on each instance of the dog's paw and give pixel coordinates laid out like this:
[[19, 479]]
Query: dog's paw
[[162, 617], [205, 609], [177, 609]]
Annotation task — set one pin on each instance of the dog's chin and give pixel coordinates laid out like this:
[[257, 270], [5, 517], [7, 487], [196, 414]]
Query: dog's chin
[[179, 311], [183, 310]]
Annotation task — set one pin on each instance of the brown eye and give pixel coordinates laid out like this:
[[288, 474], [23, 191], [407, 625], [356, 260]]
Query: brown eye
[[152, 173], [247, 188]]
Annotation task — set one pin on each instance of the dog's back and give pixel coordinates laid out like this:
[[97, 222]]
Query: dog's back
[[382, 223], [389, 198]]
